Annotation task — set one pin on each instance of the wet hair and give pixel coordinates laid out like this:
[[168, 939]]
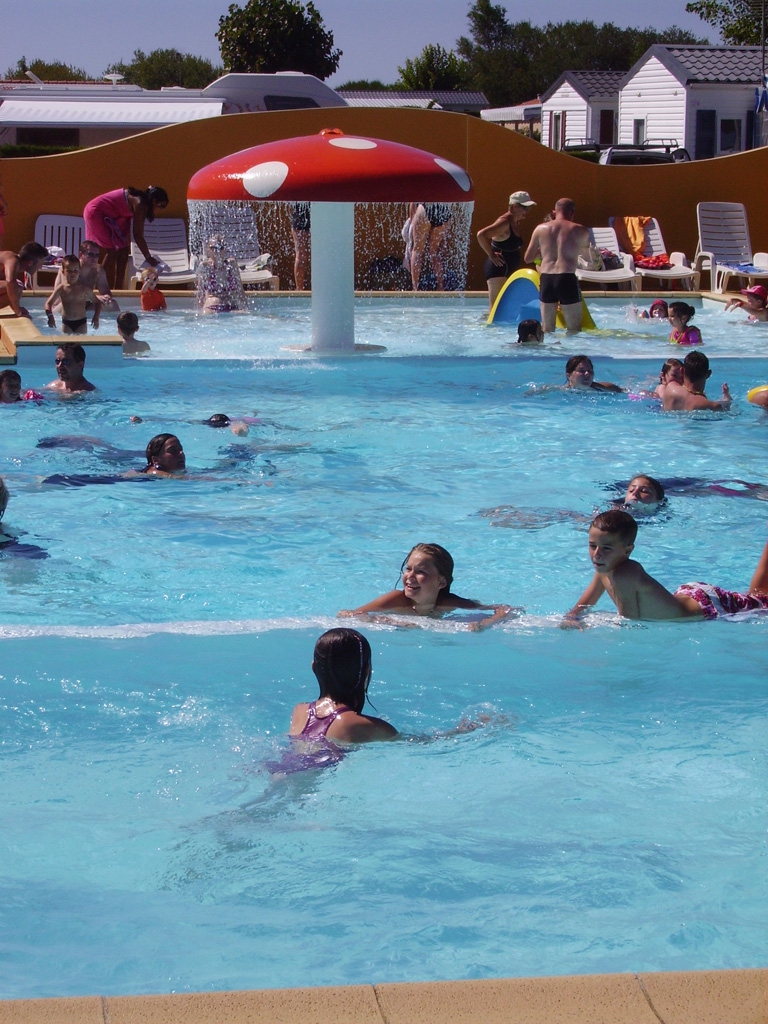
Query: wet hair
[[3, 495], [618, 522], [156, 445], [13, 375], [342, 665], [527, 329], [658, 488], [441, 560], [219, 419], [682, 309], [70, 261], [696, 366], [73, 350], [149, 197], [128, 321], [32, 251], [574, 361], [669, 365]]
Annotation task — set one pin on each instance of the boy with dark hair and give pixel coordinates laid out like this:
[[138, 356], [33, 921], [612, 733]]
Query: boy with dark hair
[[689, 396], [73, 295], [639, 596], [127, 325]]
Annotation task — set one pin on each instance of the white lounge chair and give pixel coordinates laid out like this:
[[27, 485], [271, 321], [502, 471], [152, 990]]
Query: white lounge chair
[[605, 238], [654, 246], [57, 229], [236, 224], [166, 238], [724, 247]]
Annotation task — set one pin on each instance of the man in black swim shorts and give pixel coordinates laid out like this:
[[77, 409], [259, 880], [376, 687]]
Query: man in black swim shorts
[[559, 244]]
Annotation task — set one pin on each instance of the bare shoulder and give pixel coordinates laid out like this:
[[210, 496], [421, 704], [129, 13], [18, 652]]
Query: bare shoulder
[[298, 719], [353, 728]]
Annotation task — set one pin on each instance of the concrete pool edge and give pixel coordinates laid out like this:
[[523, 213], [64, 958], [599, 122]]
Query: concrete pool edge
[[737, 996]]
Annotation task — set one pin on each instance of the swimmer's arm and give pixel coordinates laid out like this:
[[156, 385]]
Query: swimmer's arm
[[500, 612], [393, 601], [588, 599], [485, 235]]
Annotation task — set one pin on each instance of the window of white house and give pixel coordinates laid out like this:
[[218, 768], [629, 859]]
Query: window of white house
[[730, 135], [638, 131]]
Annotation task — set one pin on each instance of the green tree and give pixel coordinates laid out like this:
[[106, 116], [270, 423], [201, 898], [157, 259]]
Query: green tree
[[365, 85], [434, 68], [512, 63], [738, 22], [47, 71], [277, 35], [166, 68]]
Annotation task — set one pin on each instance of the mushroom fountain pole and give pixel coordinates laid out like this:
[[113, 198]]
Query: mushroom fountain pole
[[332, 171]]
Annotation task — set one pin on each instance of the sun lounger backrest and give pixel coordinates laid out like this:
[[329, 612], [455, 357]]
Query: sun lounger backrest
[[604, 238], [166, 238], [723, 231], [59, 229], [236, 224]]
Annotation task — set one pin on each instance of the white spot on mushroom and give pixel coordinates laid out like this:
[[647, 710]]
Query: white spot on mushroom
[[345, 142], [458, 174], [265, 179]]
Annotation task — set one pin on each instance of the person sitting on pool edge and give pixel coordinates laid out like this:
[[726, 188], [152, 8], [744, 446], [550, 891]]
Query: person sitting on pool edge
[[637, 595], [70, 363], [427, 574], [689, 396], [342, 666], [165, 456], [127, 325], [580, 375]]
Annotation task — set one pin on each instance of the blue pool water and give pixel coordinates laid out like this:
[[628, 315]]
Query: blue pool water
[[610, 817]]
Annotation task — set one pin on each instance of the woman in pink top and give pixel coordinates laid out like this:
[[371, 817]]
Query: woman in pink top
[[108, 220]]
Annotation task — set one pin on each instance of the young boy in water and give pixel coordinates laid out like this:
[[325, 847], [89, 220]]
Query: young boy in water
[[73, 295], [639, 596], [127, 325]]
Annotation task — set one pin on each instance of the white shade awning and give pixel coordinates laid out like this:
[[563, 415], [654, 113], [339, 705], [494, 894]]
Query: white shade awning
[[73, 113]]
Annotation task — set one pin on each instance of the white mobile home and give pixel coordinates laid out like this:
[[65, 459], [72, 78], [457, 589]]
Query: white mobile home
[[581, 106], [702, 96]]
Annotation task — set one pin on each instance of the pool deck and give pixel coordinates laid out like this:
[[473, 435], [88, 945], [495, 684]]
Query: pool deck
[[685, 997]]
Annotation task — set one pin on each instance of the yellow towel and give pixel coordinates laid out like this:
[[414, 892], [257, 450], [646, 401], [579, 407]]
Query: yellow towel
[[630, 233]]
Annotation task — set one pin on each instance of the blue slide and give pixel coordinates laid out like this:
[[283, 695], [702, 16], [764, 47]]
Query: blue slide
[[519, 300]]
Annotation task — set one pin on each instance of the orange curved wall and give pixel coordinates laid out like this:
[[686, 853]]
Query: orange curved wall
[[498, 160]]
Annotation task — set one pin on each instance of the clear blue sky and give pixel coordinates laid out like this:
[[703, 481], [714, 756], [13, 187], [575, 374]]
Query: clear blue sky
[[375, 35]]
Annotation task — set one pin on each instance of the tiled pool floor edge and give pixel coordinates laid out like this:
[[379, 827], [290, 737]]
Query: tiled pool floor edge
[[679, 997]]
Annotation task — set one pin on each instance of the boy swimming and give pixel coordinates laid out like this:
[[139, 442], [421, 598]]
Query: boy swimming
[[637, 595]]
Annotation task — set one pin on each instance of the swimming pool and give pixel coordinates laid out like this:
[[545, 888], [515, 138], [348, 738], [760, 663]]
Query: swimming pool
[[611, 816]]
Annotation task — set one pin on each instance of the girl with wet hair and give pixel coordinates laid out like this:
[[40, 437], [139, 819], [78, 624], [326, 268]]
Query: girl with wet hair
[[342, 666], [427, 575], [165, 456]]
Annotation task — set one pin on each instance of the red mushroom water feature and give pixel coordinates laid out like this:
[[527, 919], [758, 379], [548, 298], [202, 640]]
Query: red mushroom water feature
[[332, 171]]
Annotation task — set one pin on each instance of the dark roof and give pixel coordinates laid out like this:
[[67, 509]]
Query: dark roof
[[722, 65], [588, 83], [448, 100]]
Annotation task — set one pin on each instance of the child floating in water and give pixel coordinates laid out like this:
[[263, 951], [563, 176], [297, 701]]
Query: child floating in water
[[680, 315], [151, 297], [659, 311], [427, 574], [756, 304], [529, 332], [73, 296], [127, 325], [165, 456], [580, 375], [639, 596], [342, 665]]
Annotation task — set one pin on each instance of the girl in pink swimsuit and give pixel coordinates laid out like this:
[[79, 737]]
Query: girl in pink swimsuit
[[108, 220]]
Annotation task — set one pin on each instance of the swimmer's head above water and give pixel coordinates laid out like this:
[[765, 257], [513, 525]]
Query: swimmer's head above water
[[219, 419], [165, 455], [342, 665]]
